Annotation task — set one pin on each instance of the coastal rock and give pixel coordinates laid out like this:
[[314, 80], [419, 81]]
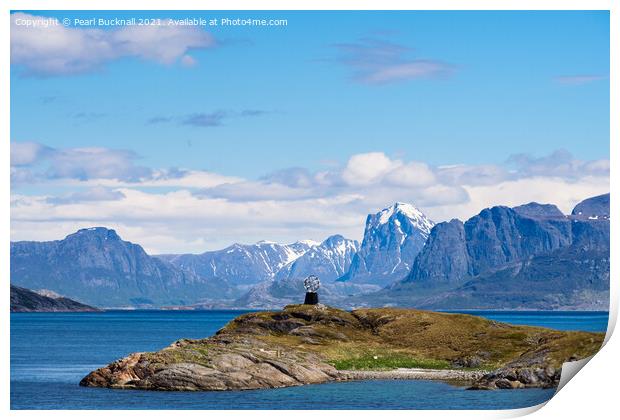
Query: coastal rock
[[526, 377], [24, 300], [216, 369]]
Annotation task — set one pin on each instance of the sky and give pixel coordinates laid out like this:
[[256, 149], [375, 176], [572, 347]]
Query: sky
[[188, 138]]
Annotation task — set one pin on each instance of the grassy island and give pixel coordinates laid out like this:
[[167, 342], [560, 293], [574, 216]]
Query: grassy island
[[305, 344]]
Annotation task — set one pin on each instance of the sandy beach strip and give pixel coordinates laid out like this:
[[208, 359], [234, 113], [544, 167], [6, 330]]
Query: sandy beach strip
[[403, 373]]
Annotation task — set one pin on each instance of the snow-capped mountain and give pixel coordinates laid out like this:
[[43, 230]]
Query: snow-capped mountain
[[242, 265], [392, 239], [329, 260], [529, 256]]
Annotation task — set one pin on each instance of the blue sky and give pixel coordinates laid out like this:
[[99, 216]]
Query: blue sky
[[429, 88]]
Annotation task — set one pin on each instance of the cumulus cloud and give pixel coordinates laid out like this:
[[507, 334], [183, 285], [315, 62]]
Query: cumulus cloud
[[370, 181], [95, 162], [98, 193], [52, 50], [375, 61], [201, 210], [257, 191], [412, 174], [33, 161], [27, 153], [97, 166], [560, 163], [292, 177], [367, 168], [185, 218]]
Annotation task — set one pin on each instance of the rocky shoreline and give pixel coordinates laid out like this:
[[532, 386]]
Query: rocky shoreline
[[306, 344]]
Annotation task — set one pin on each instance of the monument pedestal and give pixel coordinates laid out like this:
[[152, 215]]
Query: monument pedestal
[[312, 298]]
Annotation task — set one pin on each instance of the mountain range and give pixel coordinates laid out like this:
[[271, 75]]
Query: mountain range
[[530, 256], [97, 267], [392, 239]]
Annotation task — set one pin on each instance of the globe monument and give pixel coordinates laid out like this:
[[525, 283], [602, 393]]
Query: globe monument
[[312, 284]]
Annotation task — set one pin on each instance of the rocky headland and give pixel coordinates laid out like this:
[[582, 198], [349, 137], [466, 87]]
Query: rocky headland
[[25, 300], [305, 344]]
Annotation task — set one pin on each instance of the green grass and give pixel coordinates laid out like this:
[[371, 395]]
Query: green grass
[[386, 362]]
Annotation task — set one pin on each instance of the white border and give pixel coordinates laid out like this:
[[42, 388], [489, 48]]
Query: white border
[[592, 395]]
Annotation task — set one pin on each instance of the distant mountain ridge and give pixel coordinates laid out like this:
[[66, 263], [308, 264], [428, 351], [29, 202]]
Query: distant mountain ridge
[[530, 256], [329, 260], [241, 265], [392, 239], [96, 266]]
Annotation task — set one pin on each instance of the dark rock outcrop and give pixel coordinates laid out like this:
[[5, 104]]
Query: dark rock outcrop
[[516, 378], [24, 300]]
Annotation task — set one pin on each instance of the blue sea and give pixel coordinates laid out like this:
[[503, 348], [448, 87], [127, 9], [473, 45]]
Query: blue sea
[[51, 352]]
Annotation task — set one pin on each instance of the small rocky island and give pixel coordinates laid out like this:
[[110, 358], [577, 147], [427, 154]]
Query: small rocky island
[[309, 344]]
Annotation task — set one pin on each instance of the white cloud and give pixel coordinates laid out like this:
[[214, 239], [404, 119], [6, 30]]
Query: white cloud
[[416, 69], [190, 223], [95, 162], [97, 193], [36, 162], [178, 178], [58, 50], [412, 174], [580, 79], [376, 62], [200, 210], [366, 168], [553, 190], [27, 153], [188, 61], [99, 166], [560, 163]]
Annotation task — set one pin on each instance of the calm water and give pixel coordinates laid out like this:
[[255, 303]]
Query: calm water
[[50, 353]]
